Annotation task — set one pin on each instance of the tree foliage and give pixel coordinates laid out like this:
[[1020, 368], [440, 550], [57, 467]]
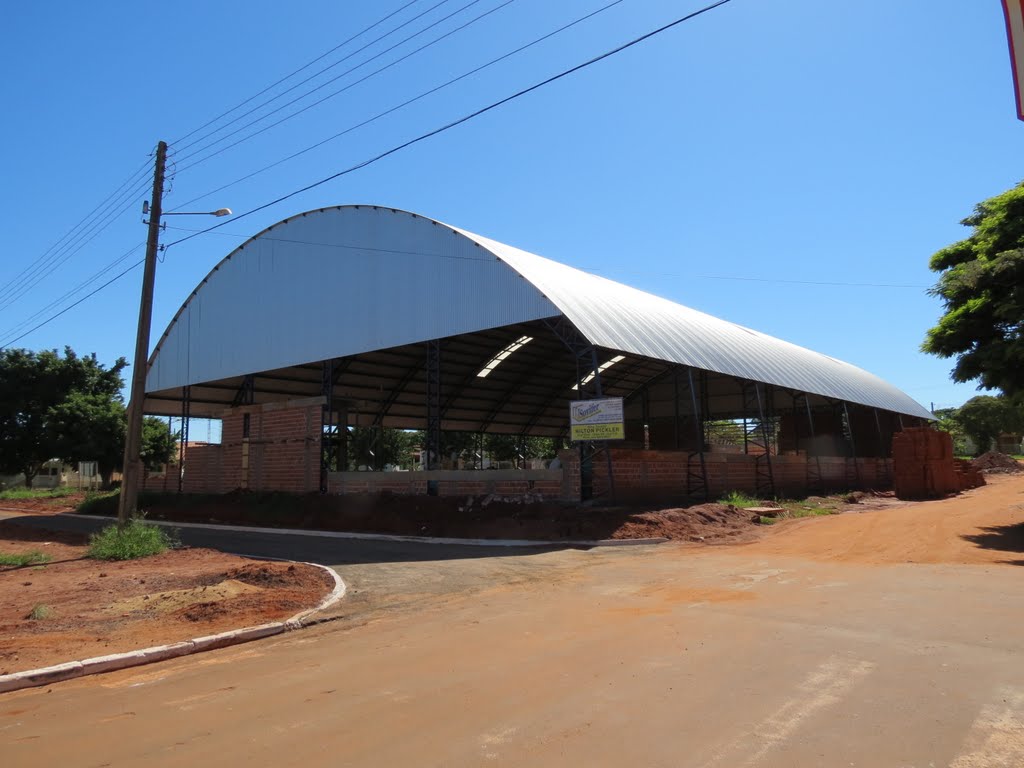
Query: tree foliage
[[54, 407], [984, 418], [158, 443], [981, 285]]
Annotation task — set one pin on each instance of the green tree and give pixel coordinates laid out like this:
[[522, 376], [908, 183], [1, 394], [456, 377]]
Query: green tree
[[90, 427], [981, 285], [374, 447], [948, 420], [507, 447], [37, 421], [158, 443], [984, 418]]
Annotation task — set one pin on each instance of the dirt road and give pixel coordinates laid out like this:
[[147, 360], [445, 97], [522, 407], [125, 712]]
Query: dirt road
[[820, 645]]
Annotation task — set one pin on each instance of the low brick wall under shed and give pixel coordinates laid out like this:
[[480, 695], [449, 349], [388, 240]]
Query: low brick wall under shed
[[453, 482], [652, 476]]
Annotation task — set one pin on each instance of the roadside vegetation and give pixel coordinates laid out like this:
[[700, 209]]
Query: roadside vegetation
[[813, 506], [136, 539], [37, 493], [21, 559]]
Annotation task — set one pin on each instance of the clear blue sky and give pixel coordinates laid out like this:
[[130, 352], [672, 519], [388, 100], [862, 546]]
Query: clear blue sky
[[761, 143]]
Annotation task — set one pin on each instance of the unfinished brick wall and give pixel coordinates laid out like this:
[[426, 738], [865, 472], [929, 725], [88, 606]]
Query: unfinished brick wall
[[660, 476], [281, 451], [547, 484], [203, 470]]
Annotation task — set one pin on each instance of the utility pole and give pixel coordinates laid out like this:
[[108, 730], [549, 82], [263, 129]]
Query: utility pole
[[133, 438]]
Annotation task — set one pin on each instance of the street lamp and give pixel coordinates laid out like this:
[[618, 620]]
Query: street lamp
[[133, 438]]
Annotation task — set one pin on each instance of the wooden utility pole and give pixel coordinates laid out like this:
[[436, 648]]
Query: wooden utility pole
[[132, 471]]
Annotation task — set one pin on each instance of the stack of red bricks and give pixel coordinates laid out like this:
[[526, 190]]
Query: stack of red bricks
[[923, 464], [968, 475]]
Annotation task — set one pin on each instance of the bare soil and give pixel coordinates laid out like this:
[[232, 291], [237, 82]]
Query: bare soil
[[94, 608], [995, 462]]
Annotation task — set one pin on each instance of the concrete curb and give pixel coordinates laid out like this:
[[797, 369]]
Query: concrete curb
[[409, 539], [115, 661]]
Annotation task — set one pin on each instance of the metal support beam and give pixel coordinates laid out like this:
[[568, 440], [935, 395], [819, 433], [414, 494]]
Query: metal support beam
[[186, 409], [696, 473], [757, 433], [433, 410], [327, 452], [853, 445], [246, 394]]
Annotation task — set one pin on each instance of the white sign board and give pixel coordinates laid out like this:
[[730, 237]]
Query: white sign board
[[87, 469], [596, 419]]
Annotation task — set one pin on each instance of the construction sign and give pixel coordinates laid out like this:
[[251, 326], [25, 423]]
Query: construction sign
[[1014, 12], [596, 419]]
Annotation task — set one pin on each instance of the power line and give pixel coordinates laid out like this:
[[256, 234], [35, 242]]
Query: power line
[[335, 79], [295, 72], [466, 118], [311, 77], [68, 240], [422, 137], [72, 306], [39, 273], [78, 289], [407, 102]]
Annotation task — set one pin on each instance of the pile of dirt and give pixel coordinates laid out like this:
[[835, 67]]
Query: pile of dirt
[[704, 522], [74, 608], [994, 462]]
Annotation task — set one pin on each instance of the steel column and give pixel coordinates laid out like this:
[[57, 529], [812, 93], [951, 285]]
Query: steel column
[[697, 477], [433, 411], [186, 409]]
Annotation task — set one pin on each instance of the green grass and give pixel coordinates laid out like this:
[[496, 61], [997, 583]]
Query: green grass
[[739, 499], [40, 612], [32, 557], [99, 503], [137, 539], [37, 493]]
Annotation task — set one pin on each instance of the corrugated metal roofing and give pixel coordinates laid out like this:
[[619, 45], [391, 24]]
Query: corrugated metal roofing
[[350, 279]]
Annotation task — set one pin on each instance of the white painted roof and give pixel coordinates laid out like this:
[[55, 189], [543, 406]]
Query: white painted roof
[[340, 281]]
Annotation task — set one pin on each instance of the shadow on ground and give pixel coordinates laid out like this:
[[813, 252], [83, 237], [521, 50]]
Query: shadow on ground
[[307, 548], [1003, 538]]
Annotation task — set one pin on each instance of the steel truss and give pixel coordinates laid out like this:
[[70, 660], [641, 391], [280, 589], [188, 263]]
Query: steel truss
[[802, 406], [758, 431], [587, 363]]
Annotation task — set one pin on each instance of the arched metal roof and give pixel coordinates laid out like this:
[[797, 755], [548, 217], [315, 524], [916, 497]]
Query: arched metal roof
[[349, 280]]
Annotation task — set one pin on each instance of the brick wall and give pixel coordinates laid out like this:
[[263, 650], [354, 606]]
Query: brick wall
[[547, 483], [203, 470], [651, 476]]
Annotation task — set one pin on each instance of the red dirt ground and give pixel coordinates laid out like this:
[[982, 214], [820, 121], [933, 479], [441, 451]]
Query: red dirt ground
[[98, 608]]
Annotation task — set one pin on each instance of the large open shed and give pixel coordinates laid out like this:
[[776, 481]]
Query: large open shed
[[370, 316]]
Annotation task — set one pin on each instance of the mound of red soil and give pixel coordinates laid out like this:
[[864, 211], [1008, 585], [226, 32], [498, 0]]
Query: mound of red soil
[[704, 522], [994, 462]]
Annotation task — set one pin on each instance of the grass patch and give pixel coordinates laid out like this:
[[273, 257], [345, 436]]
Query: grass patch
[[99, 503], [20, 560], [137, 539], [739, 499], [37, 493], [40, 612]]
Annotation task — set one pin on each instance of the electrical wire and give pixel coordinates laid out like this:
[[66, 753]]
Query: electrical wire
[[68, 308], [407, 102], [363, 79], [313, 77], [71, 236], [422, 137], [69, 294], [42, 270], [464, 118], [295, 72], [335, 79]]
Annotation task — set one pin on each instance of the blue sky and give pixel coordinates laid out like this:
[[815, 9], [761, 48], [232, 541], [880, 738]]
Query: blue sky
[[732, 164]]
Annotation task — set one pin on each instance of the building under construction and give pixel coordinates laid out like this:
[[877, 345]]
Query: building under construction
[[368, 316]]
